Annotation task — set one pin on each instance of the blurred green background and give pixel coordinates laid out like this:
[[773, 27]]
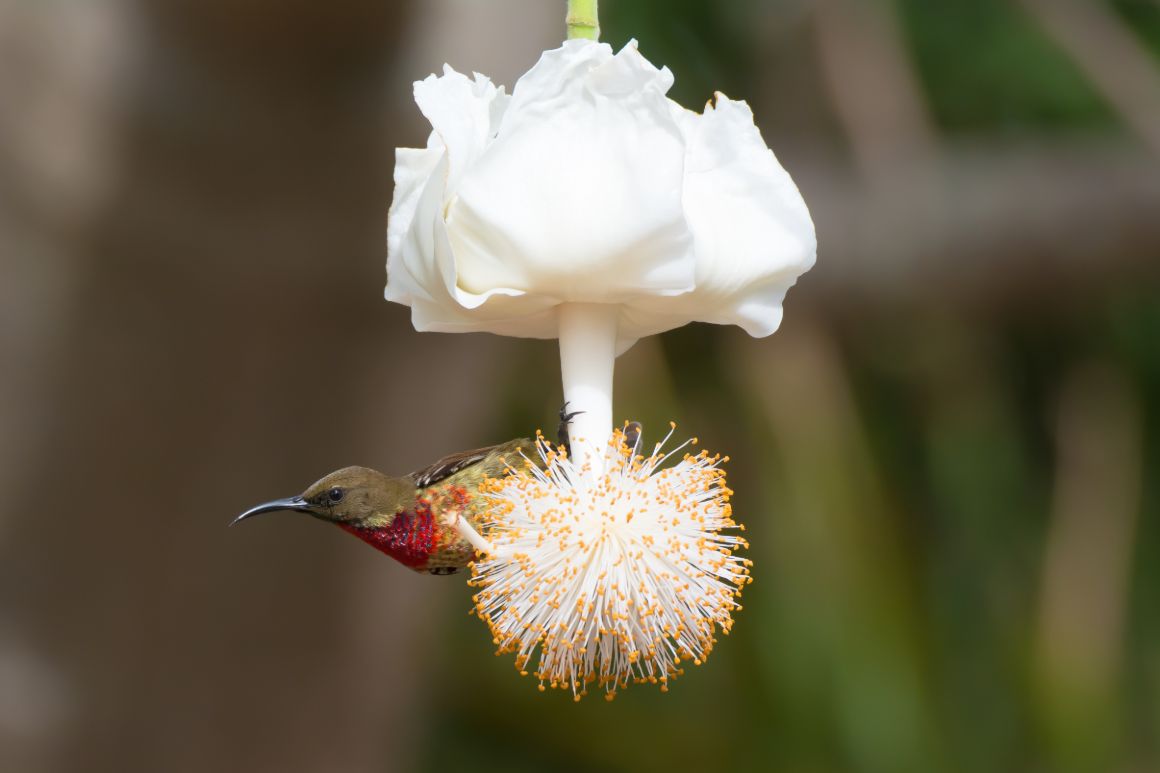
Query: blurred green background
[[948, 458]]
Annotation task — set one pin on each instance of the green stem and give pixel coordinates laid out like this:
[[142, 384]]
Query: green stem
[[582, 20]]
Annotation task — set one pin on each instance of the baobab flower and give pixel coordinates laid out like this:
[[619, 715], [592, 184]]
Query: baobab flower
[[589, 207]]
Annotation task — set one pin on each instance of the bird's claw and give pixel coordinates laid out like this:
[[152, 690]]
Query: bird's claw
[[566, 416], [631, 430], [562, 429]]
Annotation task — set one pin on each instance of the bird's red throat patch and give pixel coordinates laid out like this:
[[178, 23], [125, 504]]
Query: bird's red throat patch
[[409, 539], [414, 535]]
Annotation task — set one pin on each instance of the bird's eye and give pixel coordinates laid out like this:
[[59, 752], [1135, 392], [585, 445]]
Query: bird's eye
[[335, 494]]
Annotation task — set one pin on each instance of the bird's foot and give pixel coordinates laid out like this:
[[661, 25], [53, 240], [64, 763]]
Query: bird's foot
[[631, 431], [562, 429]]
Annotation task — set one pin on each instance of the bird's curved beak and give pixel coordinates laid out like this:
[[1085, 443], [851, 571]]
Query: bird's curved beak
[[297, 504]]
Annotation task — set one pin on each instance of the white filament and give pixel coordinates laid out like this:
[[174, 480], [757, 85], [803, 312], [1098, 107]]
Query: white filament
[[612, 577]]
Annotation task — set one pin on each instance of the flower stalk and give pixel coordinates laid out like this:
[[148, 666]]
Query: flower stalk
[[587, 333], [582, 20]]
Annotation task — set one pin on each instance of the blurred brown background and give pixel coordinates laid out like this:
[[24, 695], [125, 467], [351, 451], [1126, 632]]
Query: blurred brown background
[[947, 458]]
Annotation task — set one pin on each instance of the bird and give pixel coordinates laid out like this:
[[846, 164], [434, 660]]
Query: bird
[[411, 518]]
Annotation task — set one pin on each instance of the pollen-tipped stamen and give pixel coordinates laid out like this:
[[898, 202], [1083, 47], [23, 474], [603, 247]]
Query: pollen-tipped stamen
[[613, 577]]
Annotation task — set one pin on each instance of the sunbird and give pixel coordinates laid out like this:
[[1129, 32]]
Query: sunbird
[[411, 518]]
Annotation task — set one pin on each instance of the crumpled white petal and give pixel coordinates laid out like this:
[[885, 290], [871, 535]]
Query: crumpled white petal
[[464, 115], [753, 234], [589, 185], [558, 204], [413, 167]]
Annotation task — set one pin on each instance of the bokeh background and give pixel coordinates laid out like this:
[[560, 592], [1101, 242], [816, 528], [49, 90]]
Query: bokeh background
[[948, 458]]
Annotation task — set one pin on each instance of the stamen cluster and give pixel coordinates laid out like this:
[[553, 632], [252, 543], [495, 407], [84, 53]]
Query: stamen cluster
[[613, 577]]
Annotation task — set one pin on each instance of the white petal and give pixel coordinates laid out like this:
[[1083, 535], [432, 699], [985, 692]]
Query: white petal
[[410, 246], [464, 114], [424, 273], [589, 185], [413, 167], [752, 230], [579, 195]]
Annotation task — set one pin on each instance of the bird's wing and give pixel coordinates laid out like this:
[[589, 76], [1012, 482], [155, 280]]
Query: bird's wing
[[449, 465]]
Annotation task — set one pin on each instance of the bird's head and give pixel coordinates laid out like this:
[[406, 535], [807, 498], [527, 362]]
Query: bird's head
[[353, 496]]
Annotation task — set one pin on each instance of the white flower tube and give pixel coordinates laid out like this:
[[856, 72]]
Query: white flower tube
[[587, 352]]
